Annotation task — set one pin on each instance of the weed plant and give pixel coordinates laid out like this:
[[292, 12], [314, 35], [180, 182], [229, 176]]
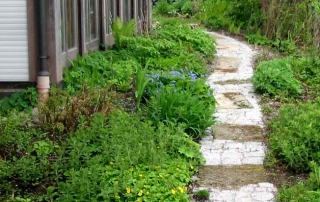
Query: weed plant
[[19, 101]]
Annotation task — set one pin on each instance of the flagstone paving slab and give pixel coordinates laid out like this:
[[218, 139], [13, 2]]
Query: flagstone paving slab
[[240, 133], [231, 100], [226, 64], [229, 152], [230, 177]]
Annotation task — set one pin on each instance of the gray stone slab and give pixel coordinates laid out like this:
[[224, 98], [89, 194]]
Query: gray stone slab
[[221, 152], [232, 100], [231, 177], [241, 133], [226, 65]]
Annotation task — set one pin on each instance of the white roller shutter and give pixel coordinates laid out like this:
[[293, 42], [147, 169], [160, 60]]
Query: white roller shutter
[[14, 64]]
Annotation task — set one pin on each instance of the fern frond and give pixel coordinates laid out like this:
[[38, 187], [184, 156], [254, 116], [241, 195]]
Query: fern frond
[[120, 30]]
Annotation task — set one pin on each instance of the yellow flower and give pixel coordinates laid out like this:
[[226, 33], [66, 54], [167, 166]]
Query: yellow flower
[[139, 200], [140, 175], [173, 191], [111, 163], [128, 190], [191, 167], [181, 189], [147, 193], [140, 192]]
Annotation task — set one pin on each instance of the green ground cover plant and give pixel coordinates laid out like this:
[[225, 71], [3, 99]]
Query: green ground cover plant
[[123, 150], [115, 158]]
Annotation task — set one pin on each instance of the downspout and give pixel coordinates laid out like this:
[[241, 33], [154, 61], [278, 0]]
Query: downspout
[[43, 79]]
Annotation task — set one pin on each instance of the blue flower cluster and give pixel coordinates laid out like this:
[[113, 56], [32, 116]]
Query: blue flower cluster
[[193, 76], [155, 79], [160, 80], [177, 73]]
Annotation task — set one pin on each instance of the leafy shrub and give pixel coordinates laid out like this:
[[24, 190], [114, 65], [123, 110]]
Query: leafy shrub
[[276, 77], [195, 39], [284, 46], [295, 135], [20, 101], [163, 8], [308, 191], [213, 14], [246, 12], [164, 54], [181, 97], [175, 7], [184, 7], [95, 69]]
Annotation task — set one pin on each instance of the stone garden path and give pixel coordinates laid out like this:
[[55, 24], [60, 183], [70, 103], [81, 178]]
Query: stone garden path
[[235, 151]]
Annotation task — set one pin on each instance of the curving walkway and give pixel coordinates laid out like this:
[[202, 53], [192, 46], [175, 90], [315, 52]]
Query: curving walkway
[[235, 151]]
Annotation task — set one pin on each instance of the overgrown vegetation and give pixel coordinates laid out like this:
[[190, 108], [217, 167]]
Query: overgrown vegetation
[[289, 82], [122, 128]]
